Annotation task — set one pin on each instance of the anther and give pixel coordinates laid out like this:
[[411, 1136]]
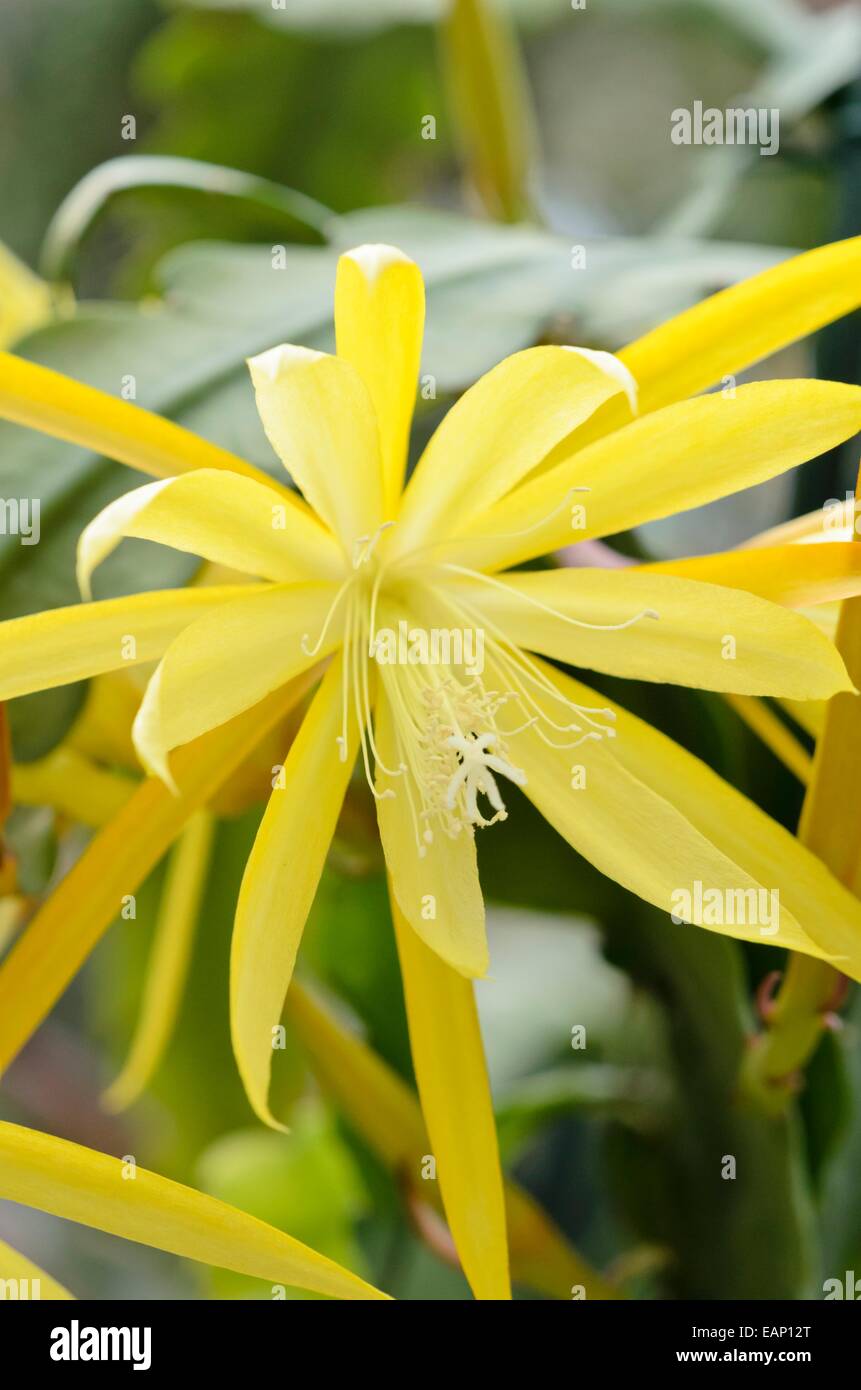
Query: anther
[[368, 542]]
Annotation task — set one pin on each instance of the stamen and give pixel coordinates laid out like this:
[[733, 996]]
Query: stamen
[[341, 740], [312, 651], [355, 625], [545, 608], [519, 664], [365, 712], [368, 542], [450, 743]]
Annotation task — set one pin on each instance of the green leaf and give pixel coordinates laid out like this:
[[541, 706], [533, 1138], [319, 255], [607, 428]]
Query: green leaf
[[305, 1182], [633, 1095], [82, 207]]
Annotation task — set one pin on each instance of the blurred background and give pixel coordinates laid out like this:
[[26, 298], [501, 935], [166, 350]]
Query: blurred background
[[151, 157]]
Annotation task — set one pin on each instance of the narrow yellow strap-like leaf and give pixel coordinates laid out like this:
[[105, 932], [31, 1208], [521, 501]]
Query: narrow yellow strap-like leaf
[[740, 325], [67, 409], [381, 1106], [170, 957], [379, 323], [280, 881], [125, 1200], [226, 519], [91, 896], [675, 458], [386, 1113], [103, 729], [319, 418], [71, 644], [28, 1280], [835, 521], [493, 113], [775, 734], [73, 785], [831, 818], [25, 299], [795, 575], [808, 714], [831, 826], [451, 1073]]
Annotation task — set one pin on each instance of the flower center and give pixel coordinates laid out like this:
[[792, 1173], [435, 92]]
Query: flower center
[[450, 745], [450, 730]]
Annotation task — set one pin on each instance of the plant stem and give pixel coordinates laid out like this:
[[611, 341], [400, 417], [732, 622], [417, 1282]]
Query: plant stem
[[830, 827]]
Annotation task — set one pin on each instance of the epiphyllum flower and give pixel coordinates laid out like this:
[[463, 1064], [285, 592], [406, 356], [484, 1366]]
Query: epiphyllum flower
[[543, 450]]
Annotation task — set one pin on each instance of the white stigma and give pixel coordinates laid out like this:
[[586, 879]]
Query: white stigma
[[474, 776]]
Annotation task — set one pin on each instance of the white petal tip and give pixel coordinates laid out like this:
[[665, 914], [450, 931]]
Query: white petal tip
[[267, 366], [373, 258], [614, 367]]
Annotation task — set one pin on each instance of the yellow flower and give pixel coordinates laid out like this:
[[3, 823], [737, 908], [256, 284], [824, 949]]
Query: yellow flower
[[433, 653]]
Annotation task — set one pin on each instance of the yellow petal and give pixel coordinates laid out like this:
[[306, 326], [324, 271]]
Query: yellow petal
[[319, 418], [103, 730], [96, 1190], [231, 520], [58, 405], [170, 955], [489, 90], [657, 820], [438, 893], [681, 631], [71, 644], [498, 431], [795, 575], [809, 714], [830, 820], [280, 881], [25, 300], [73, 785], [385, 1112], [451, 1074], [671, 460], [827, 524], [116, 861], [381, 1106], [216, 669], [379, 322], [742, 324], [37, 1284]]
